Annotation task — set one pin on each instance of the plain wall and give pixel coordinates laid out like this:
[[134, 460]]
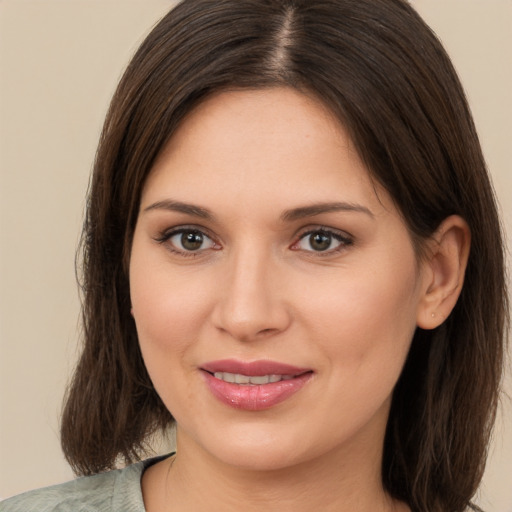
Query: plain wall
[[59, 64]]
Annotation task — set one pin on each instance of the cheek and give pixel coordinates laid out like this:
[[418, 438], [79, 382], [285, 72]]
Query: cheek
[[166, 323], [366, 320], [167, 306], [167, 329]]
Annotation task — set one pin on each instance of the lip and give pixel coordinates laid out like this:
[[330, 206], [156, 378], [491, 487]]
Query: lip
[[253, 368], [254, 397]]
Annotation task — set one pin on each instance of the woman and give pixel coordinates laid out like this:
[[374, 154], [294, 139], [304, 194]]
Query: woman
[[292, 251]]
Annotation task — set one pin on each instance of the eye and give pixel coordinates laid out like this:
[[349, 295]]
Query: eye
[[187, 240], [322, 240]]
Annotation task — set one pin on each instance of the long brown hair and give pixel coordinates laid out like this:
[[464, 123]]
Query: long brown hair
[[383, 73]]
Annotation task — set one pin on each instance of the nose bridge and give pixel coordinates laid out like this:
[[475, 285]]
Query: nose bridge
[[251, 304]]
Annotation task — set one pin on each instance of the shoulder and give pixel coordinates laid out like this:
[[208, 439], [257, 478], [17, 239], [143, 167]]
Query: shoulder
[[113, 491], [90, 493]]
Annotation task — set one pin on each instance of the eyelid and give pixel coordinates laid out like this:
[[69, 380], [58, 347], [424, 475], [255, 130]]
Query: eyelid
[[343, 237], [165, 235]]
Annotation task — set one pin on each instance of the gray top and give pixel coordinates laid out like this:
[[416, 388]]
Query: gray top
[[113, 491]]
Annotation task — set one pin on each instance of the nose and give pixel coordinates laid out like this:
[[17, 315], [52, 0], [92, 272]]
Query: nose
[[251, 301]]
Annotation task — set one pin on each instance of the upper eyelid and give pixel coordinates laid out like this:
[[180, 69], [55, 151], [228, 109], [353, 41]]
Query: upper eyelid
[[167, 233], [344, 238], [164, 238], [314, 229]]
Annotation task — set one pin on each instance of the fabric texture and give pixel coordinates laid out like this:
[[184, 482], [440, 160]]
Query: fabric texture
[[113, 491]]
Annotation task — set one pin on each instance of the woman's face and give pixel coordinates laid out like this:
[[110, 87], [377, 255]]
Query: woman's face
[[264, 255]]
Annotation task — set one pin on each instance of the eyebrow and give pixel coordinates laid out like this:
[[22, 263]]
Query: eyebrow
[[319, 208], [287, 216], [178, 206]]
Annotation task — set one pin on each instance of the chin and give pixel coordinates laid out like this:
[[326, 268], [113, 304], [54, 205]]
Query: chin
[[249, 447], [260, 458]]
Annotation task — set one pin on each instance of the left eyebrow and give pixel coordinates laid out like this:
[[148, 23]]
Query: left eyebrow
[[319, 208]]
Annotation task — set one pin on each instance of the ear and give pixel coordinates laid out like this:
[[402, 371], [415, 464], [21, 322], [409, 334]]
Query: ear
[[443, 271]]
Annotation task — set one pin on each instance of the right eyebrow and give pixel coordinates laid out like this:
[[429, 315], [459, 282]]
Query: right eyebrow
[[178, 206]]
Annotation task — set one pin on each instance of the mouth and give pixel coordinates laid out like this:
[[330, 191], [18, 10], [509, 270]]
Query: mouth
[[250, 380], [255, 385]]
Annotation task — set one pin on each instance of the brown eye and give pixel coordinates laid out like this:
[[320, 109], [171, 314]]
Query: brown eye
[[323, 241], [320, 241], [189, 240], [192, 240]]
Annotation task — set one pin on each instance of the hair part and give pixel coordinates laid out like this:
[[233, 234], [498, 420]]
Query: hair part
[[382, 72]]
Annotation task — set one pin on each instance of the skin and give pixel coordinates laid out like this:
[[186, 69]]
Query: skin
[[257, 289]]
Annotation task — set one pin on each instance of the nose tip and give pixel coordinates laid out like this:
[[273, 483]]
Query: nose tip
[[251, 305], [246, 332], [252, 317]]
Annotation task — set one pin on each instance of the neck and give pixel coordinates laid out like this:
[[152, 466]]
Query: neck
[[342, 480]]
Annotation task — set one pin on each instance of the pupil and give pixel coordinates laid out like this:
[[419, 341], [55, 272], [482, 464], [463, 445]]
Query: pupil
[[320, 241], [192, 241]]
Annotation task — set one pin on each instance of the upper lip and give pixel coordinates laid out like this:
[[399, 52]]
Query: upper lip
[[253, 368]]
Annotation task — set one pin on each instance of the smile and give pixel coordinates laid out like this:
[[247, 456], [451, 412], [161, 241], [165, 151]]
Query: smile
[[238, 378], [253, 386]]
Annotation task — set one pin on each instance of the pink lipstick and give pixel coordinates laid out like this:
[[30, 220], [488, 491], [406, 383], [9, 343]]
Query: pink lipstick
[[255, 385]]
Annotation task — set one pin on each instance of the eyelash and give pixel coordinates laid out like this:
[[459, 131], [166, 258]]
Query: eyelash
[[343, 238], [166, 236]]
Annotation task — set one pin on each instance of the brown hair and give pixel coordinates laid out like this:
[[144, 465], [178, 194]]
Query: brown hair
[[383, 73]]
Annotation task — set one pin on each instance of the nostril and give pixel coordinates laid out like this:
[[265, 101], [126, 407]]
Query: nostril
[[267, 331]]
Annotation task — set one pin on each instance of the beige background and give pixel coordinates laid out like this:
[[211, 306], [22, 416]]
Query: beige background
[[59, 63]]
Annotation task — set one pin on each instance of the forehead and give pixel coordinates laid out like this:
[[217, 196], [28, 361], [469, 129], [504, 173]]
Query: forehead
[[273, 145]]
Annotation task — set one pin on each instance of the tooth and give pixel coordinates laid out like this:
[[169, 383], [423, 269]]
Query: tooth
[[229, 377], [245, 379], [263, 379]]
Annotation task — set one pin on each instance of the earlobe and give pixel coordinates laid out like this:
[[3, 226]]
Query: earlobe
[[444, 268]]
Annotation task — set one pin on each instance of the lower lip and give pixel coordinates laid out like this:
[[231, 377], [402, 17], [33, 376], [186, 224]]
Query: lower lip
[[255, 397]]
